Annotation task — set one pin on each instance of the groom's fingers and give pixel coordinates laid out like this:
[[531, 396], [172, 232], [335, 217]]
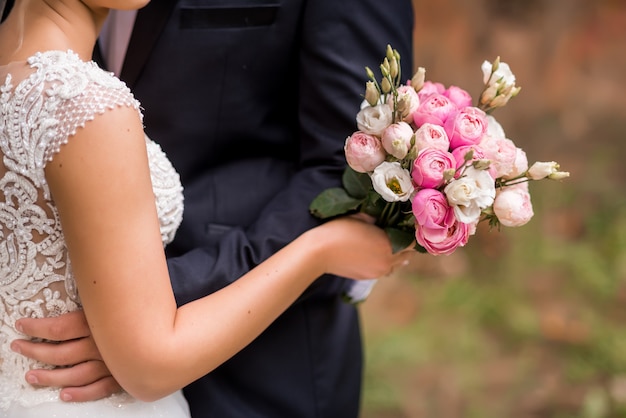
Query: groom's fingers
[[66, 353], [61, 328], [88, 381], [97, 390], [82, 374]]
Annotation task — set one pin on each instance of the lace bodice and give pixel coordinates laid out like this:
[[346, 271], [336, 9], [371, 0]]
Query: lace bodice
[[42, 103]]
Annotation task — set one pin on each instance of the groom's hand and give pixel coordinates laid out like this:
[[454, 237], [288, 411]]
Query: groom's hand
[[79, 369]]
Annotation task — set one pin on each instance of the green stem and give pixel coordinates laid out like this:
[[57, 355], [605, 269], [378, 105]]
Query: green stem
[[386, 213]]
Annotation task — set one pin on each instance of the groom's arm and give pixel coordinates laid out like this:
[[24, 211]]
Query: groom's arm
[[82, 373], [336, 42]]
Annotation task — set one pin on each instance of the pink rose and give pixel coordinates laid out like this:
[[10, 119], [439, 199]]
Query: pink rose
[[396, 139], [433, 109], [431, 210], [429, 167], [457, 235], [459, 154], [430, 88], [466, 127], [520, 165], [458, 96], [437, 229], [502, 153], [364, 152], [430, 135], [513, 207], [523, 186]]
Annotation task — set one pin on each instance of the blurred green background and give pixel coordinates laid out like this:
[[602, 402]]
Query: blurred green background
[[526, 322]]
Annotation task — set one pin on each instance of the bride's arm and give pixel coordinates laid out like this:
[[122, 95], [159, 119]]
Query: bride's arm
[[101, 185]]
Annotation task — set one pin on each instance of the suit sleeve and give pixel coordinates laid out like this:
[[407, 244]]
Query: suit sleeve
[[337, 40]]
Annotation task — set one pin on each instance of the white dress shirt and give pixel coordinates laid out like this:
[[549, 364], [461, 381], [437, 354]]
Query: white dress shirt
[[114, 38]]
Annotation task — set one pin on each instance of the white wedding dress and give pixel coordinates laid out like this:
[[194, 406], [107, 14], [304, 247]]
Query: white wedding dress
[[42, 103]]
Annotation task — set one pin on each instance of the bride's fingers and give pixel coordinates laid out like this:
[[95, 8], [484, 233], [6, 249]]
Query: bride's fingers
[[363, 217], [97, 390], [403, 258], [81, 374]]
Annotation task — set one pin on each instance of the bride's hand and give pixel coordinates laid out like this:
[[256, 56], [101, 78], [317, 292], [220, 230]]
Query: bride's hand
[[80, 370], [355, 248]]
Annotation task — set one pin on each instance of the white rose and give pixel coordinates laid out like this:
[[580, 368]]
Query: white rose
[[541, 170], [392, 182], [559, 175], [503, 75], [494, 128], [365, 103], [500, 84], [408, 101], [417, 81], [470, 194], [374, 119]]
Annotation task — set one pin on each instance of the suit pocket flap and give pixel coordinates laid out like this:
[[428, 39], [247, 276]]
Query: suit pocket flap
[[228, 17]]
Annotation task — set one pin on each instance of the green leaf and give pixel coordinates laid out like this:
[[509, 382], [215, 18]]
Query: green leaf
[[373, 205], [356, 184], [408, 221], [400, 239], [333, 202], [419, 248]]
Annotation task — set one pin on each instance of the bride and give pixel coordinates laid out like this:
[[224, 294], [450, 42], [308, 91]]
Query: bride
[[79, 228]]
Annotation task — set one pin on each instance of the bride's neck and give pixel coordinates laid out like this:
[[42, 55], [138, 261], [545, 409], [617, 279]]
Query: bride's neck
[[35, 27]]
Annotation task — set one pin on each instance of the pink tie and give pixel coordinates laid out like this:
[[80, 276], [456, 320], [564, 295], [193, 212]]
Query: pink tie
[[115, 36]]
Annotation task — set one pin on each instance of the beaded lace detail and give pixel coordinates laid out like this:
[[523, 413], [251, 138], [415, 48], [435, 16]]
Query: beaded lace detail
[[42, 103]]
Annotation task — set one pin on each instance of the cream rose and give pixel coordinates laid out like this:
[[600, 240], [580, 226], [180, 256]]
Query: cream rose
[[374, 119], [494, 128], [396, 139], [470, 194], [513, 207], [541, 170], [502, 76]]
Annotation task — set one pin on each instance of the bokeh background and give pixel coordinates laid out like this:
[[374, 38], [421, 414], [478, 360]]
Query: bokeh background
[[527, 322]]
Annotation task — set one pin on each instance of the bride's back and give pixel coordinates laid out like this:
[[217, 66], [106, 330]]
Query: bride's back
[[42, 103], [35, 273]]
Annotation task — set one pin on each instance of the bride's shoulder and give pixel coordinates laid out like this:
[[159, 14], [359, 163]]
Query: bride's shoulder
[[69, 75], [63, 60], [76, 92]]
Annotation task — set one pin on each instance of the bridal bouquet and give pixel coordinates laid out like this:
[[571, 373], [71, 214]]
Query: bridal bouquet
[[428, 164]]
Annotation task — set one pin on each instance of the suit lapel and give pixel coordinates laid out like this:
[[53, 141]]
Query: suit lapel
[[98, 56], [148, 25]]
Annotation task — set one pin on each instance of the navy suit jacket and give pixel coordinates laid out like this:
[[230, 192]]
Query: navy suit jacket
[[252, 101]]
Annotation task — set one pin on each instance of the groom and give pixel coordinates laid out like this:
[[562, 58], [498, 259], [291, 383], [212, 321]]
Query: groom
[[252, 102]]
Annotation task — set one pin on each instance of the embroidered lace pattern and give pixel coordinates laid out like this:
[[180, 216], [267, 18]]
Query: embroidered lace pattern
[[42, 103]]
